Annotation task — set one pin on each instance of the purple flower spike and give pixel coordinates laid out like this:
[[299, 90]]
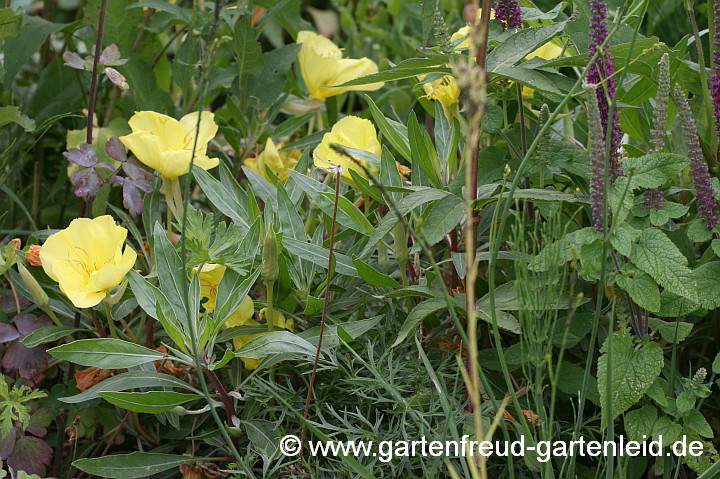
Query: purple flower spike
[[596, 145], [508, 13], [716, 69], [654, 199], [600, 73], [704, 193]]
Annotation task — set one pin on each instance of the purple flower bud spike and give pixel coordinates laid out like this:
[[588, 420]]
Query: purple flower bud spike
[[596, 145], [654, 199], [508, 13]]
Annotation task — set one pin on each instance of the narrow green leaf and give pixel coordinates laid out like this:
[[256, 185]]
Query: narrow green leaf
[[106, 353]]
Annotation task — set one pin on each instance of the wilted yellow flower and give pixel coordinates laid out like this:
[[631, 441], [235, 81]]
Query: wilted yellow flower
[[166, 144], [87, 259], [280, 162], [444, 90], [209, 276], [323, 67], [240, 341], [353, 132], [549, 51]]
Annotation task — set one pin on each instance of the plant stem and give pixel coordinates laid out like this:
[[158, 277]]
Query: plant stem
[[324, 312], [110, 320], [269, 285], [94, 78], [224, 396]]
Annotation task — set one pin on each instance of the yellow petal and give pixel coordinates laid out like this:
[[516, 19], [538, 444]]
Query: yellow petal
[[146, 147], [208, 130], [549, 51], [349, 131], [85, 299], [168, 130], [111, 275], [243, 315], [174, 163]]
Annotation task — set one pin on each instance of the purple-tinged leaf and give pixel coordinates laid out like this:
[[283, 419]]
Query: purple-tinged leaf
[[84, 155], [115, 149], [8, 333], [117, 78], [73, 60], [132, 200], [7, 302], [31, 455], [111, 56], [39, 421], [27, 323], [86, 183], [105, 165], [26, 361], [7, 444], [136, 172]]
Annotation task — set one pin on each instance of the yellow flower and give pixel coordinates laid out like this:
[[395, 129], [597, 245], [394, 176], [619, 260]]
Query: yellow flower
[[323, 67], [240, 341], [209, 276], [166, 144], [241, 315], [443, 89], [87, 259], [353, 132], [464, 32], [549, 51], [280, 162]]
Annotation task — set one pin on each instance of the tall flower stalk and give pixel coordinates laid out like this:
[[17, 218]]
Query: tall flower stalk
[[704, 193], [654, 197], [716, 67], [596, 145], [601, 74]]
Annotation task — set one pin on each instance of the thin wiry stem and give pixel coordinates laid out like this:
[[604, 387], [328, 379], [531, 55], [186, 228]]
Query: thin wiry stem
[[325, 309], [94, 78]]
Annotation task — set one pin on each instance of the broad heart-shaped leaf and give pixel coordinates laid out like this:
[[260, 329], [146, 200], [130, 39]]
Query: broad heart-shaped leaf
[[129, 380], [442, 218], [248, 51], [131, 466], [669, 330], [655, 169], [641, 288], [708, 286], [106, 353], [373, 276], [150, 402], [276, 342], [658, 256], [639, 423], [520, 44], [632, 370]]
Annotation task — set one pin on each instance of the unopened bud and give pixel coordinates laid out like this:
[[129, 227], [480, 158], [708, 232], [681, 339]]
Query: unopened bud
[[16, 242], [33, 255], [400, 241], [39, 295], [270, 269]]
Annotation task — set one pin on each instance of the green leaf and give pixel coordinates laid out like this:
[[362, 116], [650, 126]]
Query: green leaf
[[665, 427], [248, 52], [517, 47], [393, 135], [570, 381], [276, 342], [373, 276], [716, 364], [698, 231], [633, 372], [540, 80], [658, 256], [319, 256], [47, 334], [537, 194], [667, 329], [290, 220], [12, 114], [352, 212], [144, 292], [150, 402], [423, 152], [621, 200], [106, 353], [264, 436], [409, 68], [19, 49], [131, 466], [639, 423], [641, 288], [428, 20], [331, 338], [708, 286], [697, 422], [170, 271], [129, 380], [10, 22], [224, 200], [416, 315], [562, 250], [655, 169]]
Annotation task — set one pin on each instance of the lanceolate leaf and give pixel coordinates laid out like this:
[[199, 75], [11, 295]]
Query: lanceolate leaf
[[131, 466], [106, 353], [129, 380], [150, 402]]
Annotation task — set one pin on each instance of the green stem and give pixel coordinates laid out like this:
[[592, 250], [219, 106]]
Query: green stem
[[110, 320]]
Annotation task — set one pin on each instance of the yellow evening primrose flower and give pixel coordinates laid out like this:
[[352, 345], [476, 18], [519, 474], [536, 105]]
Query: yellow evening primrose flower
[[444, 90], [464, 32], [240, 341], [323, 67], [166, 144], [349, 131], [87, 259], [209, 276], [549, 51], [280, 162]]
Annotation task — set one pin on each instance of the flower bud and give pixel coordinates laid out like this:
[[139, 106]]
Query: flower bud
[[270, 269], [400, 240], [39, 295], [33, 255]]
